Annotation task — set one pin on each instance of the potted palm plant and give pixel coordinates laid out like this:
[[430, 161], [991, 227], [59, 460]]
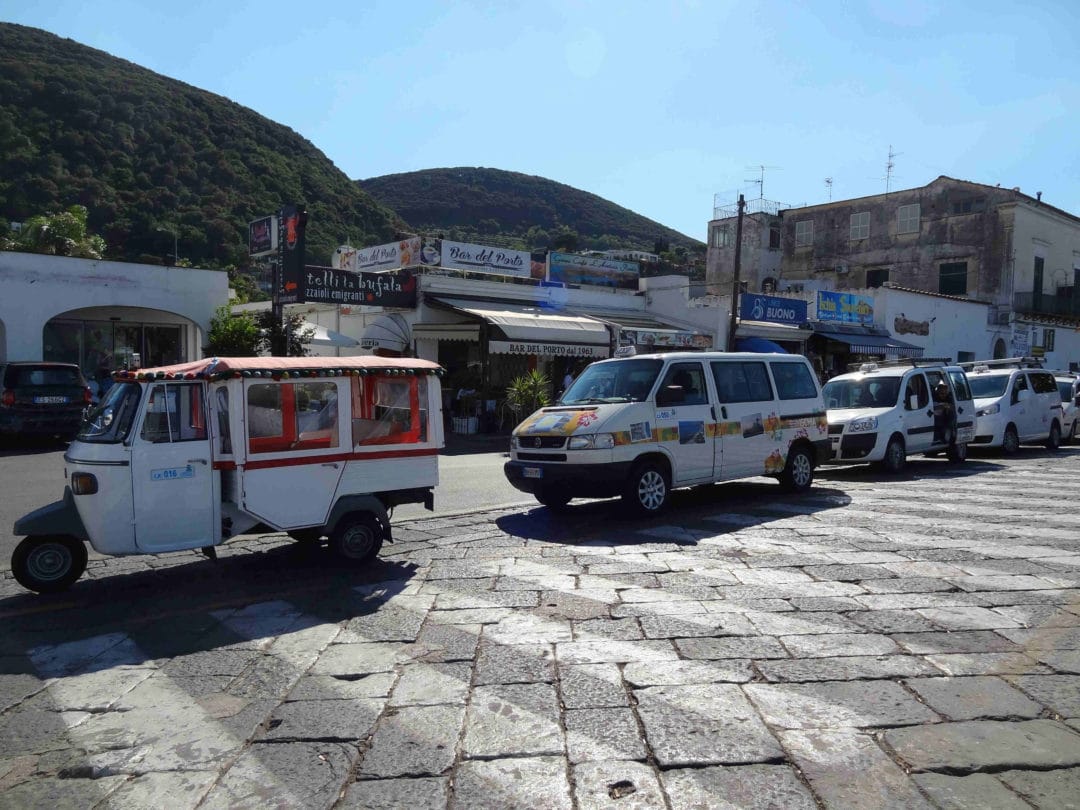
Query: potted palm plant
[[529, 392]]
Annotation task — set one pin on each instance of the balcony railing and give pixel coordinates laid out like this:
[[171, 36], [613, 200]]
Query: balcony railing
[[1066, 306]]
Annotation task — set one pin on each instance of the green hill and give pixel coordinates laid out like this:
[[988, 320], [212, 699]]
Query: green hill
[[143, 152], [476, 204]]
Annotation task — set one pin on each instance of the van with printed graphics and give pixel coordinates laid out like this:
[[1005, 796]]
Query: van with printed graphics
[[640, 426]]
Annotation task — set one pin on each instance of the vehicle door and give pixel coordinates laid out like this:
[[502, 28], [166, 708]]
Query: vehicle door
[[965, 406], [686, 425], [918, 413], [748, 420], [1023, 409], [295, 450], [1046, 400], [171, 475]]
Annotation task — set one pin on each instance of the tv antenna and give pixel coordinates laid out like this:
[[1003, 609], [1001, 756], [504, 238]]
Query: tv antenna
[[889, 166], [760, 181], [828, 185]]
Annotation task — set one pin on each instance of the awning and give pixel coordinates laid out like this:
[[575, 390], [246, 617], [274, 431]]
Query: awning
[[389, 332], [874, 344], [758, 344], [771, 331], [647, 330], [523, 329], [327, 337]]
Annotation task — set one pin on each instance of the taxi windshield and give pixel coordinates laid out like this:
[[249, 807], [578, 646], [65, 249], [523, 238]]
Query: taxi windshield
[[616, 381], [986, 386], [862, 392], [111, 419]]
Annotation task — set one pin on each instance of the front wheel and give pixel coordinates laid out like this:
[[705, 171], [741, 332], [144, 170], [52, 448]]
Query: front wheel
[[553, 497], [895, 456], [648, 489], [357, 538], [1053, 441], [48, 564], [798, 473], [1010, 443]]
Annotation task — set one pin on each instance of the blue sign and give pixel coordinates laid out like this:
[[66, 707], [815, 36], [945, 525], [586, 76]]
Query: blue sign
[[771, 309], [844, 307]]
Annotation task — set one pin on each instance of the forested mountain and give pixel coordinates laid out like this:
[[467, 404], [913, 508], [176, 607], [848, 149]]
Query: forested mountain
[[144, 152], [472, 204]]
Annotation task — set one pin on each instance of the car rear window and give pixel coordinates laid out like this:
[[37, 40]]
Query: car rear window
[[24, 376]]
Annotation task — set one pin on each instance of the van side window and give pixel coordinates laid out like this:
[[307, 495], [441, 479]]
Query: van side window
[[742, 382], [916, 395], [793, 380], [960, 385], [1019, 384], [1042, 383], [175, 412], [691, 378]]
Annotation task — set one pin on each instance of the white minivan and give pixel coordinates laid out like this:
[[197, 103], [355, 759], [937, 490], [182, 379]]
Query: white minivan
[[639, 426], [1016, 402]]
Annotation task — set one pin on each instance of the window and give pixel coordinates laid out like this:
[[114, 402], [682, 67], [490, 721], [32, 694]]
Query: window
[[1043, 383], [916, 395], [804, 233], [1037, 275], [793, 381], [965, 357], [1048, 339], [907, 218], [691, 378], [860, 225], [876, 276], [742, 382], [952, 278], [389, 410], [974, 205], [774, 237], [1020, 384], [223, 420], [721, 236], [292, 416], [960, 382], [174, 413]]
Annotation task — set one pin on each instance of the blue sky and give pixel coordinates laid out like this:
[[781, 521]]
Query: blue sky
[[655, 106]]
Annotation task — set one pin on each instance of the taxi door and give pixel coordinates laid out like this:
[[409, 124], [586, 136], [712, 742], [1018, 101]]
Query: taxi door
[[685, 427], [918, 413]]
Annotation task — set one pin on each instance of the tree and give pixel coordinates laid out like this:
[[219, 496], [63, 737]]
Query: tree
[[288, 338], [62, 234], [530, 391], [232, 335]]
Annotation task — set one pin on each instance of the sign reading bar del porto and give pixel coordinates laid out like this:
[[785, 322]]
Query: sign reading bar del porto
[[549, 349], [477, 258], [330, 286]]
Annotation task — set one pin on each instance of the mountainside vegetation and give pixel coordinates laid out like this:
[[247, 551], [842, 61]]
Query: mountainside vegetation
[[527, 212]]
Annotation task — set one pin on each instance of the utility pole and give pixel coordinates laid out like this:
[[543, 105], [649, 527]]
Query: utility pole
[[735, 276]]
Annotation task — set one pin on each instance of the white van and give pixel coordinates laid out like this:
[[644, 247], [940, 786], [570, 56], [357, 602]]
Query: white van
[[1016, 402], [639, 426], [884, 411], [1068, 383]]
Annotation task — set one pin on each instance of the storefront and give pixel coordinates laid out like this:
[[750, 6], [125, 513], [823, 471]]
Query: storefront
[[769, 323], [845, 333]]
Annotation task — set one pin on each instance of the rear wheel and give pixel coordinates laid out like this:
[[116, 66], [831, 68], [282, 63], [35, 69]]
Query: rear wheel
[[1010, 443], [357, 538], [895, 456], [1053, 441], [48, 564], [553, 497], [648, 489], [798, 473]]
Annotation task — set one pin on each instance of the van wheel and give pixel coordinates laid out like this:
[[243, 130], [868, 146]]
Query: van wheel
[[48, 564], [553, 497], [1053, 441], [306, 537], [895, 456], [357, 538], [798, 473], [957, 453], [648, 489], [1010, 443]]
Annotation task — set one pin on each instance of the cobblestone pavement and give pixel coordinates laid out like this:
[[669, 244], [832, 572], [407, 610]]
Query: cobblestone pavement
[[879, 642]]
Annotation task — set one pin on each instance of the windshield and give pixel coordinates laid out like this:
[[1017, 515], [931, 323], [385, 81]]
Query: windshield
[[985, 386], [617, 381], [864, 392], [111, 419]]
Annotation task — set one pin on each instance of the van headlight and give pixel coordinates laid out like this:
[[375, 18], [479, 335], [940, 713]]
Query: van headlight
[[989, 410], [591, 441], [862, 425]]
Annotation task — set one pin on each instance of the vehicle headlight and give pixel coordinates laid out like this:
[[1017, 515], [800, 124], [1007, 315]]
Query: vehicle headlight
[[862, 425], [515, 443], [989, 410], [591, 441]]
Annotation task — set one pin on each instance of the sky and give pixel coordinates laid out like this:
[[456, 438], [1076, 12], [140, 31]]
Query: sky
[[664, 108]]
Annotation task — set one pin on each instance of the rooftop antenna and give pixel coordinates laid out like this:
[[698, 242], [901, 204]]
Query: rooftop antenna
[[889, 166], [828, 185], [761, 181]]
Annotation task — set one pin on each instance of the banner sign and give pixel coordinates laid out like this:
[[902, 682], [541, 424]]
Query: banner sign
[[844, 307], [330, 286], [476, 258], [550, 349], [571, 269], [292, 224], [666, 339], [262, 236], [770, 309], [405, 253]]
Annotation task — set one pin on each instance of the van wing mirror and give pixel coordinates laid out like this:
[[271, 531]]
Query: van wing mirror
[[913, 402], [670, 395]]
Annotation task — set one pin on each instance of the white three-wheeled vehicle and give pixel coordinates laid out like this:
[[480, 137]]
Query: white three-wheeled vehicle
[[191, 455]]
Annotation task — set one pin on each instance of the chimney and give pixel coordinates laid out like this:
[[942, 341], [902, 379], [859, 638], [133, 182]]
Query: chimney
[[1038, 196]]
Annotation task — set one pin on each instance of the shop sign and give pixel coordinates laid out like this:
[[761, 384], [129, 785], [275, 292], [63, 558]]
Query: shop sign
[[329, 286], [1020, 344], [405, 253], [548, 349], [262, 236], [667, 339], [844, 307], [292, 226], [568, 268], [770, 309], [476, 258]]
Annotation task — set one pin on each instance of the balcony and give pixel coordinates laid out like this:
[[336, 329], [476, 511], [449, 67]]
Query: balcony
[[1064, 305]]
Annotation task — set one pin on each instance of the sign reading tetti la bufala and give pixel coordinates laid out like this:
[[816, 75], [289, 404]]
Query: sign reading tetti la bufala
[[329, 285]]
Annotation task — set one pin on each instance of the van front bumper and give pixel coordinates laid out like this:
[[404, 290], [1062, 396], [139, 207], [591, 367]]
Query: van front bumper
[[580, 480]]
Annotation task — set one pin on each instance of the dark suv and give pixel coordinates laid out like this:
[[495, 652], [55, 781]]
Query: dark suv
[[41, 399]]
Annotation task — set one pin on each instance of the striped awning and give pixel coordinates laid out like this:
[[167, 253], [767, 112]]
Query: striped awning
[[874, 344]]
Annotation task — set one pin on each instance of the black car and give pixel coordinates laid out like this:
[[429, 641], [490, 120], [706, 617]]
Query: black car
[[41, 399]]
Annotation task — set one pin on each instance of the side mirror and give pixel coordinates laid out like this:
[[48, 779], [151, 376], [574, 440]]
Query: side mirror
[[671, 395], [913, 402]]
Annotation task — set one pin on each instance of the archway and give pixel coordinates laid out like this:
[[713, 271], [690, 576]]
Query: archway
[[999, 349]]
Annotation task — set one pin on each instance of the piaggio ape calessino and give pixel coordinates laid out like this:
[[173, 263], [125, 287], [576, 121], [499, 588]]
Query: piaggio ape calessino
[[191, 455]]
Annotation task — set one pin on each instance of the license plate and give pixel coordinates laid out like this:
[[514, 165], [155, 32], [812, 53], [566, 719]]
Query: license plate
[[533, 472], [50, 400]]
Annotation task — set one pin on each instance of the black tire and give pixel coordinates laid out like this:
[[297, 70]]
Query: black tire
[[554, 498], [1053, 441], [1010, 443], [895, 456], [798, 474], [648, 489], [48, 564], [958, 453], [357, 538], [306, 537]]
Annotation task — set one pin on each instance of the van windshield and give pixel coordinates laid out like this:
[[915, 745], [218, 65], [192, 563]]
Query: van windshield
[[111, 419], [617, 381], [865, 392], [985, 387]]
